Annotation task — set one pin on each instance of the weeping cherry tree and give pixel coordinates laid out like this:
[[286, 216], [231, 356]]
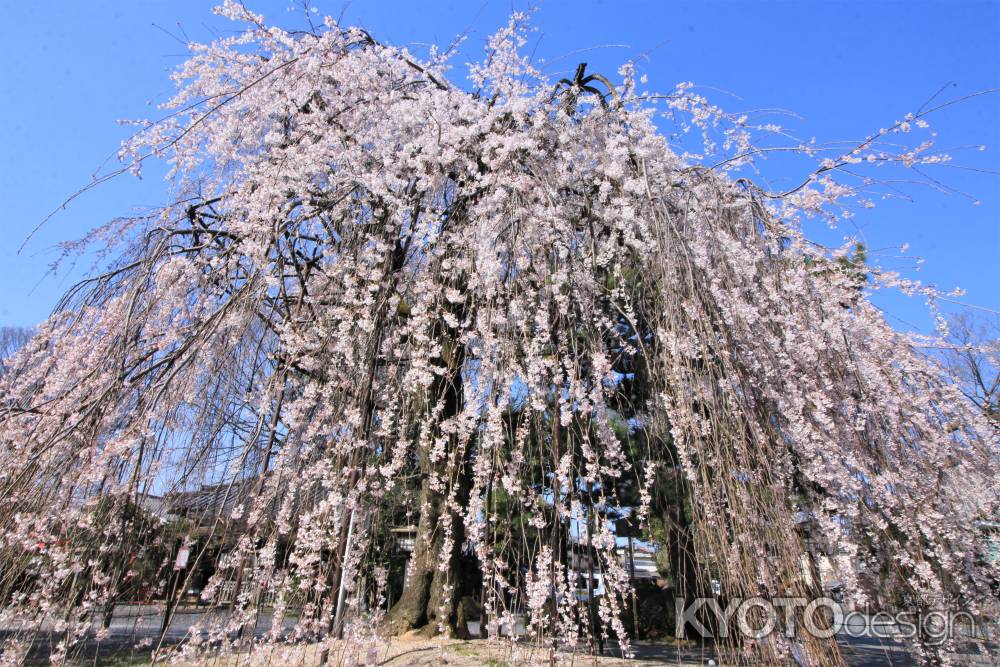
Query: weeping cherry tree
[[496, 306]]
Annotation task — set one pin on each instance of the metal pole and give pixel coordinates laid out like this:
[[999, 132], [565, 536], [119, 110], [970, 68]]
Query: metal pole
[[631, 567], [338, 620], [591, 613]]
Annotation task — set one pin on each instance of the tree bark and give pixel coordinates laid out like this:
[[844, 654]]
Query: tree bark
[[431, 595]]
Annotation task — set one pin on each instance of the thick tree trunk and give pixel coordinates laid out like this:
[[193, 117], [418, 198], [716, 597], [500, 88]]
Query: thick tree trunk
[[688, 578], [410, 611], [431, 595], [683, 563]]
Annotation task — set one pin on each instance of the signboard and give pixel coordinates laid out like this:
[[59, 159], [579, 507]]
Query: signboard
[[183, 554]]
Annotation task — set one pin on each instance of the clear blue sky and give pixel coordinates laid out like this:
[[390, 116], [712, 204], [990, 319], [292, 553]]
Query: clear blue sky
[[71, 69]]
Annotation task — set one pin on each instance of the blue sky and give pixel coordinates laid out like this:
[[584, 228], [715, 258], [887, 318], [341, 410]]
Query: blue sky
[[71, 69]]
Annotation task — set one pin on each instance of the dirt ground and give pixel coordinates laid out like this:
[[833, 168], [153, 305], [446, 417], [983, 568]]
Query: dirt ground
[[413, 651]]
